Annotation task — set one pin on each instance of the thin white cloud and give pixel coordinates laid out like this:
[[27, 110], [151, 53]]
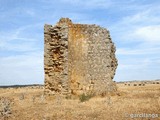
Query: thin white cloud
[[138, 51], [148, 15], [90, 4], [22, 69], [17, 33], [19, 47], [136, 18], [30, 12], [148, 33], [16, 40], [138, 68]]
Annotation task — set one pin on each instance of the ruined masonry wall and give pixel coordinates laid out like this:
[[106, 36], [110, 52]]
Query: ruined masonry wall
[[78, 58], [55, 59]]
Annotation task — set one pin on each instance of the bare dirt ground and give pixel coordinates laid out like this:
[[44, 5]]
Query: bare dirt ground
[[130, 101]]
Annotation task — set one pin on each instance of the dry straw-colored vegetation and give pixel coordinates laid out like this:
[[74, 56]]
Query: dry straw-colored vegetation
[[31, 104]]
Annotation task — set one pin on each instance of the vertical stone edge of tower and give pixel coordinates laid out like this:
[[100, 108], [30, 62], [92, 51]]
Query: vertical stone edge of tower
[[56, 58]]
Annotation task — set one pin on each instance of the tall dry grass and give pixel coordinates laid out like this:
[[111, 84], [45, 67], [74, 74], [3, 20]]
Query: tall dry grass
[[129, 100]]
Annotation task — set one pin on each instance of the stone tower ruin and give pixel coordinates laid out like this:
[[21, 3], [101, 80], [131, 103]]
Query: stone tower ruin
[[78, 58]]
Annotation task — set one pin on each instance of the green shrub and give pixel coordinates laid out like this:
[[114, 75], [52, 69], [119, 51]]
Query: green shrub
[[86, 97]]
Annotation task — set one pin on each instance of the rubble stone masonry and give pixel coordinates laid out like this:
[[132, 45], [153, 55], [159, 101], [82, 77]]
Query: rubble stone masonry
[[78, 58]]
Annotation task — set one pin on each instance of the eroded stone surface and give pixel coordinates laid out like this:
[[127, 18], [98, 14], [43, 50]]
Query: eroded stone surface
[[78, 58]]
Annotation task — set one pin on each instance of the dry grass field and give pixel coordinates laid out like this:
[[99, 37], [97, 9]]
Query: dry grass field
[[131, 102]]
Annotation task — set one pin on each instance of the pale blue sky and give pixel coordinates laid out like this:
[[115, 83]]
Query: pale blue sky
[[134, 27]]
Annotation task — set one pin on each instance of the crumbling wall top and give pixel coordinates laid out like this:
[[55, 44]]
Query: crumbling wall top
[[64, 21]]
